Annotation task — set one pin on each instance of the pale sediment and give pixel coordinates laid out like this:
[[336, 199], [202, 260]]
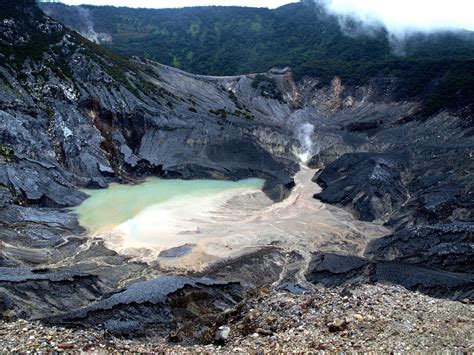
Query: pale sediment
[[193, 232]]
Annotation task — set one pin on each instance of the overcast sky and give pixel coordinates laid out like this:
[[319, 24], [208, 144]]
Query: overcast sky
[[397, 15]]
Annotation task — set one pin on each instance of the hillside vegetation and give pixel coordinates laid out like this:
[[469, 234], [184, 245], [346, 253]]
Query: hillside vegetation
[[237, 40], [332, 256]]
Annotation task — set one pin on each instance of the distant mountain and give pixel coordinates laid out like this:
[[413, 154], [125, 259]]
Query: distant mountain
[[238, 40], [74, 115]]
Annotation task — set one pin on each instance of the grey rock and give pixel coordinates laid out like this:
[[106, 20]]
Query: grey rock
[[445, 246], [333, 270], [368, 183], [222, 335], [177, 252], [151, 306]]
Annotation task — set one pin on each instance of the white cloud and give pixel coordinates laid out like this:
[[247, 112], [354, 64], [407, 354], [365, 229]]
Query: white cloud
[[181, 3], [401, 16]]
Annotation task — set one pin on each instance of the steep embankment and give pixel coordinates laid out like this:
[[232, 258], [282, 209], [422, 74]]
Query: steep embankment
[[411, 171], [367, 318], [436, 67], [73, 115]]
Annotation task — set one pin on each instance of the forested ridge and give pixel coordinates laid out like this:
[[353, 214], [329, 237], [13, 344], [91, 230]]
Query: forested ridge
[[238, 40]]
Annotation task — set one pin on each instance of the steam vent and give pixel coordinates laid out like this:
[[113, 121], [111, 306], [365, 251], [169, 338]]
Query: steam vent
[[225, 179]]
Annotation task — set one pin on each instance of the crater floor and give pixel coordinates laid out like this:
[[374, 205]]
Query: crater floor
[[192, 232]]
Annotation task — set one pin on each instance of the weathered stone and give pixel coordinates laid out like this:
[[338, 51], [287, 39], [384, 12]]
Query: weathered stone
[[222, 334], [338, 325]]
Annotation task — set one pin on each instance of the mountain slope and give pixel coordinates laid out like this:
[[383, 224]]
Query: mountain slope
[[233, 40], [74, 115], [66, 80]]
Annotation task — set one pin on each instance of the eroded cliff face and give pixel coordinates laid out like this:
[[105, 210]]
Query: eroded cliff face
[[386, 161], [73, 116]]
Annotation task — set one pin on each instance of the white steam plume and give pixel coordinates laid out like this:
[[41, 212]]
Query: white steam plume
[[83, 24], [308, 147], [88, 30]]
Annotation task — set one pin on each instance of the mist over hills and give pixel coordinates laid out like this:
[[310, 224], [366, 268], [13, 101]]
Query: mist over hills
[[388, 140], [237, 40]]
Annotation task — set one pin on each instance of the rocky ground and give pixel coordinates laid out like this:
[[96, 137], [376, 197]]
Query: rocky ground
[[362, 318], [76, 116]]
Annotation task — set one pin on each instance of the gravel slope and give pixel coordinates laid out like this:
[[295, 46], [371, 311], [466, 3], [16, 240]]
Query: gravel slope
[[363, 318]]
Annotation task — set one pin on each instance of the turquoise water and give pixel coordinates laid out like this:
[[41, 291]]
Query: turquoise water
[[110, 207]]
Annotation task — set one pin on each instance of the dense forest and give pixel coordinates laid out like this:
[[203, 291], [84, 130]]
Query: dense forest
[[238, 40]]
